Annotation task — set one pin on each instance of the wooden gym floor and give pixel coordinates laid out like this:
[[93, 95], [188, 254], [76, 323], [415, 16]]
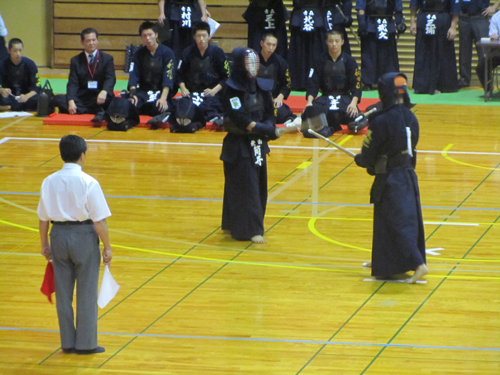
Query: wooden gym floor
[[194, 301]]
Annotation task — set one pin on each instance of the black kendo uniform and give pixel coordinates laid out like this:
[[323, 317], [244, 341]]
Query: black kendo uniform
[[398, 230], [472, 26], [267, 16], [307, 40], [339, 81], [276, 69], [204, 72], [377, 29], [243, 152], [435, 58], [150, 74], [82, 87], [20, 79], [338, 15], [182, 15]]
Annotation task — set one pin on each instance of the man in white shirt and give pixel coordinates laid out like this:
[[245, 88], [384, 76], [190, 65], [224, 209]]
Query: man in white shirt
[[74, 202]]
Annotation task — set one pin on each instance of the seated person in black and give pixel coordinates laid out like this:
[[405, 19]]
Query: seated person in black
[[273, 66], [19, 80], [91, 80], [202, 74], [337, 76], [151, 80]]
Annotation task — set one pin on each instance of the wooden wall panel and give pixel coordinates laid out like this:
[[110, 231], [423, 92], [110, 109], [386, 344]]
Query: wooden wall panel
[[63, 57], [110, 11]]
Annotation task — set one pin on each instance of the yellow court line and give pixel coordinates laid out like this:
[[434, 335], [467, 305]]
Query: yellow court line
[[260, 264], [445, 155], [312, 228]]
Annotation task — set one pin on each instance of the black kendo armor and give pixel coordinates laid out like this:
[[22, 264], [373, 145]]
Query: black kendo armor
[[151, 73], [335, 78], [17, 78], [268, 72], [435, 5], [202, 74], [380, 8]]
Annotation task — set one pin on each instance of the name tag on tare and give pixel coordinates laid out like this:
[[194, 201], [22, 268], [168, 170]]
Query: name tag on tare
[[92, 84]]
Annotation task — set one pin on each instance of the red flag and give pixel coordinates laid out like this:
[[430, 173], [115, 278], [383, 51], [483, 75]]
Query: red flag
[[48, 282]]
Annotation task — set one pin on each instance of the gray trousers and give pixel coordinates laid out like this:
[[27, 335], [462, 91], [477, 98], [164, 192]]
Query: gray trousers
[[471, 30], [76, 257]]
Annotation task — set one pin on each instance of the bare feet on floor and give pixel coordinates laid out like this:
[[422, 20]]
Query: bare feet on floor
[[367, 264], [420, 272], [258, 239], [226, 231]]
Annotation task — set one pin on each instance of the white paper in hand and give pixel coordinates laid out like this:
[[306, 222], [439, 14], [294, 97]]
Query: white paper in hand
[[214, 25], [108, 290]]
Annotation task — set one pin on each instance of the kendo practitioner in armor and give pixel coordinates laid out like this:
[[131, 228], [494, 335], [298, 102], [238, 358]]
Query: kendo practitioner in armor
[[91, 80], [264, 17], [181, 15], [337, 76], [389, 154], [338, 15], [202, 74], [152, 75], [307, 40], [19, 82], [379, 21], [435, 27], [473, 25], [250, 120], [274, 67]]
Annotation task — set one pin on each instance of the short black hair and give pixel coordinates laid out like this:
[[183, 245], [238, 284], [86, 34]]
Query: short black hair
[[15, 41], [335, 31], [267, 35], [71, 148], [147, 25], [201, 25], [87, 31]]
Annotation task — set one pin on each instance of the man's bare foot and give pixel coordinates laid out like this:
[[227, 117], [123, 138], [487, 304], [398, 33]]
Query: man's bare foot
[[258, 239], [367, 264], [420, 272], [4, 108], [226, 231]]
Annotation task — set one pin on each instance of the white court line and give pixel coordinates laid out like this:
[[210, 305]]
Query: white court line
[[395, 281], [220, 144]]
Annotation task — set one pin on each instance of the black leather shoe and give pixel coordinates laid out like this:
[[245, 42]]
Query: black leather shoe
[[99, 349]]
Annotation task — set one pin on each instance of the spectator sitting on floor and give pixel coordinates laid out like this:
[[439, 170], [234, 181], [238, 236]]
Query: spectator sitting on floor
[[19, 80]]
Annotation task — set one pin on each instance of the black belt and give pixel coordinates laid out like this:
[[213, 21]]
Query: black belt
[[85, 222]]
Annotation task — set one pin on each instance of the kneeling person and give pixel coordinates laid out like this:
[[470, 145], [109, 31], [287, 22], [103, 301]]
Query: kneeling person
[[151, 80], [19, 80], [91, 80], [273, 66], [202, 74], [337, 76]]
